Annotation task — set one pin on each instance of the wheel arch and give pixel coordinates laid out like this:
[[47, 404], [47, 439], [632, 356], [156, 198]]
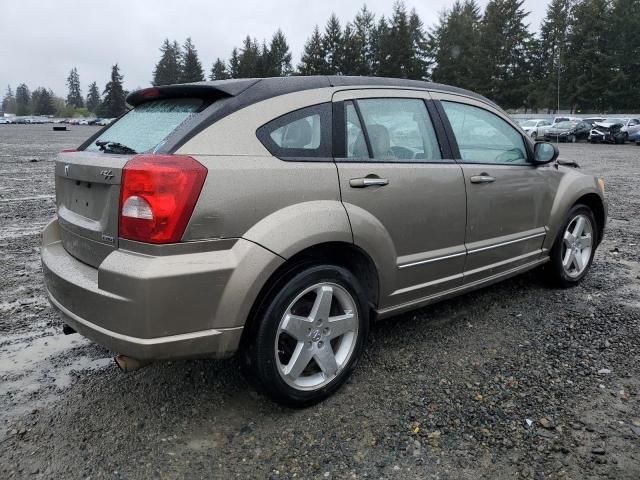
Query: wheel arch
[[574, 190], [595, 203], [343, 254]]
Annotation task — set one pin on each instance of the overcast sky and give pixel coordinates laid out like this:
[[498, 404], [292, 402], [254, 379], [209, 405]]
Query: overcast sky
[[41, 40]]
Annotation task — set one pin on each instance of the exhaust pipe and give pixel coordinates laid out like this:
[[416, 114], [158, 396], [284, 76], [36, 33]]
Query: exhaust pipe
[[129, 364]]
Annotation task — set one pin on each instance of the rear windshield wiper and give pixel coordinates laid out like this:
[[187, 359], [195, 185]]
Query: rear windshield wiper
[[108, 146]]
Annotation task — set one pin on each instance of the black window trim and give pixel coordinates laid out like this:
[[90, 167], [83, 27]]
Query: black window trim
[[324, 151], [339, 127], [454, 142]]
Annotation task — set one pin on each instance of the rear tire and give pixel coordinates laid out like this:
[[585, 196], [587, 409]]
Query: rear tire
[[573, 250], [311, 332]]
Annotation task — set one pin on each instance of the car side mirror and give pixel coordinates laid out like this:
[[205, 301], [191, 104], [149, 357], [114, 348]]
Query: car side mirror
[[545, 152]]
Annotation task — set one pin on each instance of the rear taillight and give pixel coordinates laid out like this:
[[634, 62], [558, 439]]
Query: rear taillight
[[157, 196]]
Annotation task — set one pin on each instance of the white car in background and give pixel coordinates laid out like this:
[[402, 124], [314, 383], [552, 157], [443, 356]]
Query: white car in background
[[631, 126], [536, 127]]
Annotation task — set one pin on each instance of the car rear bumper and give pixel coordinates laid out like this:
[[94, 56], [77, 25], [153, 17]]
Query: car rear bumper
[[179, 305]]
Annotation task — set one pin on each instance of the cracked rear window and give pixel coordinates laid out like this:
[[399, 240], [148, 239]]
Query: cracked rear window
[[147, 126]]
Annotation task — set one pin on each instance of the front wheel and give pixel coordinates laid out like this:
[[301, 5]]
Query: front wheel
[[574, 248], [311, 332], [572, 139]]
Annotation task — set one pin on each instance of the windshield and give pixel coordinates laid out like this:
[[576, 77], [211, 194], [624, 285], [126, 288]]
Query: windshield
[[613, 120], [148, 125], [529, 123]]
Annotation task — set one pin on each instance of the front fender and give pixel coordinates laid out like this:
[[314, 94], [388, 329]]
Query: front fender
[[573, 186], [292, 229]]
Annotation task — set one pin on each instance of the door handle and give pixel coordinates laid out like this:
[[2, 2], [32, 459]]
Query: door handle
[[368, 182], [482, 178]]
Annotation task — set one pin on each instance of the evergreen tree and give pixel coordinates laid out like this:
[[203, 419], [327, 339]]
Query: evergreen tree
[[93, 98], [351, 50], [279, 56], [402, 45], [419, 62], [382, 47], [332, 45], [219, 71], [191, 68], [248, 59], [74, 97], [35, 100], [358, 49], [263, 62], [550, 70], [506, 47], [23, 100], [364, 28], [455, 42], [313, 60], [168, 68], [624, 33], [234, 63], [589, 64], [9, 101], [42, 101], [113, 103]]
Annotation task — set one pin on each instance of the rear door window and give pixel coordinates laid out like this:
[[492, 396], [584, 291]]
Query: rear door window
[[398, 130], [145, 128]]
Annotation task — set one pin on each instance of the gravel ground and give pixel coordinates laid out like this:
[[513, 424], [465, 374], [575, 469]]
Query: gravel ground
[[513, 381]]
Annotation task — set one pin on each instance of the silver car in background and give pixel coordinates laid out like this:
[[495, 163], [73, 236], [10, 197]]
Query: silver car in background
[[535, 128]]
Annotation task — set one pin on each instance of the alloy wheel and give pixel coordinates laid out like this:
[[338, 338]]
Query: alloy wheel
[[316, 336], [577, 245]]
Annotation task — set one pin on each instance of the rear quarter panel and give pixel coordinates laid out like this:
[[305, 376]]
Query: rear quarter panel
[[249, 193]]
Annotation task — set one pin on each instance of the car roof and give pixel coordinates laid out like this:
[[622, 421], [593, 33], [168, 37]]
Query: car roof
[[239, 93], [256, 89]]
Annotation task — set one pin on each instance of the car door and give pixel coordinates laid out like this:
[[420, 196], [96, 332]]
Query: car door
[[582, 131], [509, 199], [403, 192]]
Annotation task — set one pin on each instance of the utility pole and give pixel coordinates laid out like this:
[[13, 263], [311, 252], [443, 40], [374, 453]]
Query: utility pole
[[559, 53]]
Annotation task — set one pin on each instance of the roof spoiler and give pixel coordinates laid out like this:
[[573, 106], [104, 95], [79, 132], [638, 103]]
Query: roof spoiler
[[207, 90]]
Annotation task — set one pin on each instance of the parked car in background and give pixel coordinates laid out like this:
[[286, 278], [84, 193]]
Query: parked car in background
[[557, 120], [569, 131], [105, 121], [4, 121], [281, 225], [609, 131], [631, 126], [592, 120], [536, 128]]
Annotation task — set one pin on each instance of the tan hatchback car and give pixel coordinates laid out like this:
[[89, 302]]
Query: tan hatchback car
[[278, 217]]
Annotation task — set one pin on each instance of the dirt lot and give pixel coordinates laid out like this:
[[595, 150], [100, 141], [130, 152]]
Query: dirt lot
[[513, 381]]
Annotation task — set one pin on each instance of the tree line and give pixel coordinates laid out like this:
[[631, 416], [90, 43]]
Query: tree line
[[42, 101], [585, 56]]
